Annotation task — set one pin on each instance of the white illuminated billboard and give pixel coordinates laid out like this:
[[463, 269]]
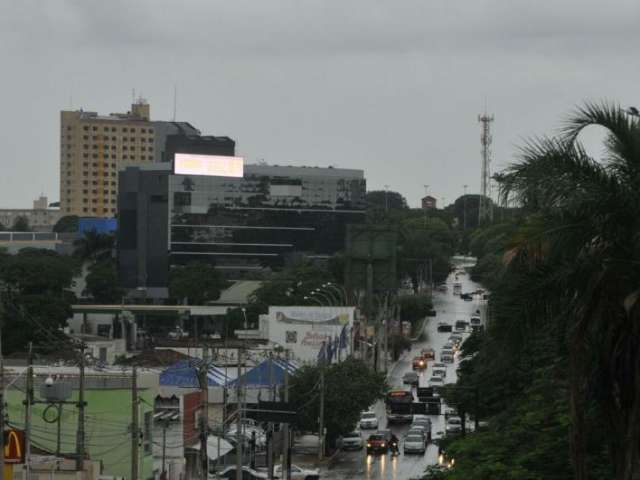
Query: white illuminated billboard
[[216, 165]]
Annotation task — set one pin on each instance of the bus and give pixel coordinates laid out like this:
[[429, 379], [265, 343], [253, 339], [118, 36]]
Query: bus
[[399, 406]]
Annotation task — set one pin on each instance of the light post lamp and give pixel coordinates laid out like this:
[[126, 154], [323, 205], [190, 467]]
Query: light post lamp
[[322, 296], [339, 289], [317, 300]]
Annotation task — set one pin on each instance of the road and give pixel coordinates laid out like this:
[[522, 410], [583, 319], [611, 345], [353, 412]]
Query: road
[[449, 308]]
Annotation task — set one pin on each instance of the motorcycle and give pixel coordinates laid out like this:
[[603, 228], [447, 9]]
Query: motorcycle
[[394, 448]]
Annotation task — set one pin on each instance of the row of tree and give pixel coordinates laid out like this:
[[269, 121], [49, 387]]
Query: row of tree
[[558, 368]]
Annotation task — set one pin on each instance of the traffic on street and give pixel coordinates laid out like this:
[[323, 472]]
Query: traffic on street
[[438, 352]]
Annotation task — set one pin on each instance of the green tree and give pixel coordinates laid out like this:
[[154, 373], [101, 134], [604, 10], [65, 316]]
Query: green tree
[[36, 298], [350, 387], [102, 282], [197, 282], [66, 224], [586, 243], [94, 246], [21, 224], [383, 200]]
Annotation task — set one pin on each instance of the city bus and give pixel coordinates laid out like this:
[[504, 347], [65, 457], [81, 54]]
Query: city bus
[[399, 406]]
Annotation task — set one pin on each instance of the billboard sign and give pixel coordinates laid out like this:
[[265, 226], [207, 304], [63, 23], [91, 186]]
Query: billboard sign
[[210, 165], [14, 446], [304, 330]]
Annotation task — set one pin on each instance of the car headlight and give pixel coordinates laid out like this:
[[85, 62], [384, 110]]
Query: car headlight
[[368, 444], [382, 445]]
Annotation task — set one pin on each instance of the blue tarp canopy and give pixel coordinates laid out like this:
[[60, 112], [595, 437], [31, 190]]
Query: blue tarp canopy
[[184, 373], [271, 370]]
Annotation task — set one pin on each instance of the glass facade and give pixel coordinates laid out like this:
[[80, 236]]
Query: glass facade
[[262, 220]]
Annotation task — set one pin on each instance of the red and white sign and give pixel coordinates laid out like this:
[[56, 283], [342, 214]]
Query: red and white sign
[[210, 165]]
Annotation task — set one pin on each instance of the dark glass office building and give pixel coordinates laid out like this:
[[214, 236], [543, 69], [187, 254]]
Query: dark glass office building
[[245, 226]]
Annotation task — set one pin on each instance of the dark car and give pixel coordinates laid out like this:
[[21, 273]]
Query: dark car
[[444, 327], [419, 363], [466, 296], [377, 443]]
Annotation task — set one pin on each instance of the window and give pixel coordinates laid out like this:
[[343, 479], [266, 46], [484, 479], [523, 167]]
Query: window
[[85, 182], [85, 146], [85, 137], [85, 191], [84, 209], [85, 128], [93, 210], [94, 138], [94, 128], [85, 173], [113, 192], [113, 200], [94, 164], [150, 157], [106, 129], [106, 182], [85, 164], [125, 156], [84, 200], [94, 182], [124, 147], [68, 128], [85, 155], [113, 129], [95, 192], [95, 147], [95, 155], [94, 200], [124, 129]]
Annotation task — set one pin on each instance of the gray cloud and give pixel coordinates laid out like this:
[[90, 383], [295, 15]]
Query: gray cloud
[[391, 87]]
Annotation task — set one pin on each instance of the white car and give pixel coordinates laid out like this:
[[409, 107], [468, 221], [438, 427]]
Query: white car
[[368, 420], [351, 441], [454, 425], [414, 444], [298, 473], [439, 372]]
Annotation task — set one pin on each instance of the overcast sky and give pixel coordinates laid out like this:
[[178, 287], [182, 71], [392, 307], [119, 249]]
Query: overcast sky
[[392, 87]]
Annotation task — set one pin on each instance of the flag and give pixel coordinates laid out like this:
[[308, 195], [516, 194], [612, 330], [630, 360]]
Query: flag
[[343, 337], [322, 354]]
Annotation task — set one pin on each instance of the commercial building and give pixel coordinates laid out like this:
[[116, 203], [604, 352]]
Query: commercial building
[[244, 225], [40, 218], [94, 147], [429, 203]]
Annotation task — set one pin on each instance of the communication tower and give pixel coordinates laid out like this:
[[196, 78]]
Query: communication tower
[[485, 204]]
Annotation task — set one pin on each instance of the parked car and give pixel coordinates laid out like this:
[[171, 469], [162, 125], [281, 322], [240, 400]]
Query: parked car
[[436, 381], [428, 353], [414, 444], [368, 420], [475, 321], [351, 441], [439, 365], [454, 425], [431, 313], [466, 296], [444, 327], [477, 328], [376, 443], [449, 412], [410, 378], [298, 473], [419, 363]]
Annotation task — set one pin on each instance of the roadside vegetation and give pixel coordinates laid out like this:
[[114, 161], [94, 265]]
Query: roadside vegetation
[[558, 366]]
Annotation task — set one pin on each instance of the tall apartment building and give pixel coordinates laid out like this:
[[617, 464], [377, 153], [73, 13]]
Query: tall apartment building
[[94, 147]]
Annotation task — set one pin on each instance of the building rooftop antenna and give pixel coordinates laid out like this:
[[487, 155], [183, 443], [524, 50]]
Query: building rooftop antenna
[[175, 97], [486, 140]]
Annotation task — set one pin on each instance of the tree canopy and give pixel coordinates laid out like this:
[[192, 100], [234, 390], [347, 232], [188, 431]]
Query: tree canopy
[[351, 387], [66, 224], [196, 282]]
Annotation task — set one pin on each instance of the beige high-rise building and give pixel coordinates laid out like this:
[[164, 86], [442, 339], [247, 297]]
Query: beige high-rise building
[[92, 150]]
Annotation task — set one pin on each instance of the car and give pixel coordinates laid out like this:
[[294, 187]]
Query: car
[[368, 420], [439, 372], [439, 365], [477, 328], [466, 297], [456, 337], [247, 473], [410, 378], [424, 423], [419, 363], [377, 443], [454, 425], [298, 473], [414, 444], [446, 357], [475, 321], [428, 353], [444, 327], [436, 381], [431, 313], [386, 434], [461, 326], [351, 441], [449, 412], [447, 349]]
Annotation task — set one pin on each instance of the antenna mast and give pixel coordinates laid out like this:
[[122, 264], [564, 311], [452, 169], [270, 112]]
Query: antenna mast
[[484, 207], [175, 96]]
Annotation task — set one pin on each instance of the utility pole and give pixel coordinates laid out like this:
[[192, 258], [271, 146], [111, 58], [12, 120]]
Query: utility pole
[[165, 425], [321, 429], [80, 452], [204, 418], [286, 462], [27, 416], [134, 424], [1, 396], [239, 419]]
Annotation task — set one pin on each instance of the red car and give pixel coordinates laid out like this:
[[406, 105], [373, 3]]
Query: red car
[[419, 363], [428, 354], [377, 443]]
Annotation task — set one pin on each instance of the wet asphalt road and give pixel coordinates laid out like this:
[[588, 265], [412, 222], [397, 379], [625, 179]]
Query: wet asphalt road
[[449, 308]]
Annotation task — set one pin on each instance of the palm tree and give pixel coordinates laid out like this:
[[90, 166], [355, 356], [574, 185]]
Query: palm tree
[[94, 246], [587, 245]]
